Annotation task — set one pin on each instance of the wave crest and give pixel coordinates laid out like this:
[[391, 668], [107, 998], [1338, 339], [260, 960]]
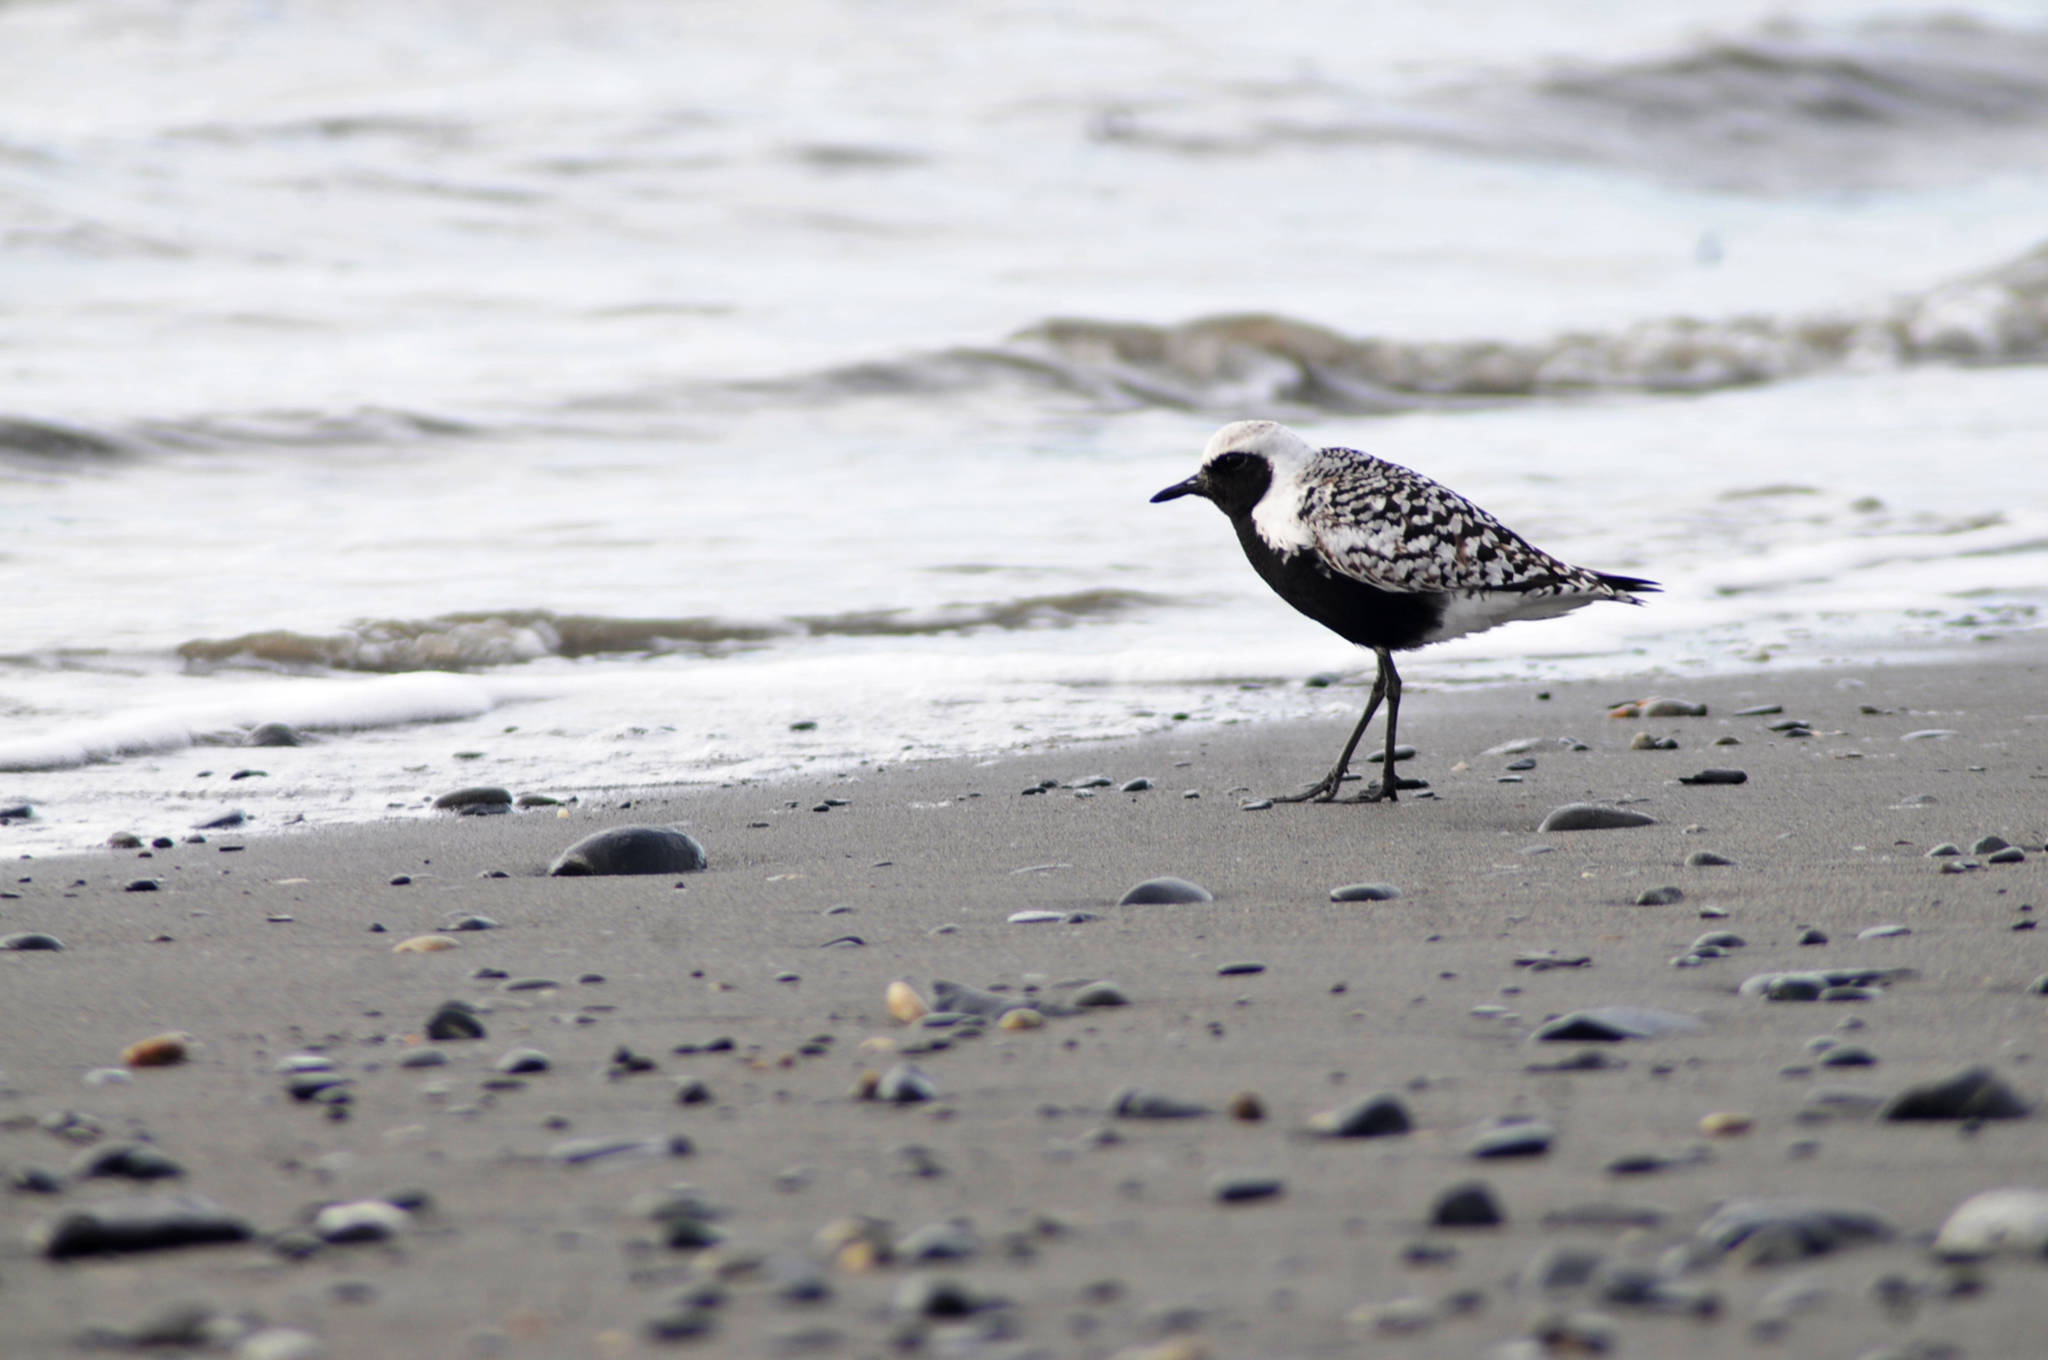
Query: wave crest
[[471, 641]]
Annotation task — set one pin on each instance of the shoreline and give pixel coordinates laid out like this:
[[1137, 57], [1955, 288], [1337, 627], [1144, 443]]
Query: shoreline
[[522, 1255]]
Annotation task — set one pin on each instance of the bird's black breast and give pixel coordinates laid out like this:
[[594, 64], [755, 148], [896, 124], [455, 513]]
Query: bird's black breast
[[1353, 610]]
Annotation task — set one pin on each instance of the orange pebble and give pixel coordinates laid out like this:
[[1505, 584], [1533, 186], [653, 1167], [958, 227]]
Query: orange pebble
[[159, 1050]]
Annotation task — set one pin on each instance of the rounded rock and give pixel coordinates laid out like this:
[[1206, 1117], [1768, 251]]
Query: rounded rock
[[272, 734], [1471, 1204], [477, 796], [1593, 817], [426, 944], [159, 1050], [1165, 891], [1370, 1116], [1246, 1187], [631, 850], [30, 940], [1365, 892]]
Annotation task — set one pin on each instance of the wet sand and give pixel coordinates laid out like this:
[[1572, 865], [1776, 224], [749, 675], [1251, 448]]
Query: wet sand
[[1091, 1234]]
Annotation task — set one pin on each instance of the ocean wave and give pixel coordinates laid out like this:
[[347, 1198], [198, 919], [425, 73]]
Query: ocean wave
[[333, 706], [1785, 110], [1997, 316], [471, 641]]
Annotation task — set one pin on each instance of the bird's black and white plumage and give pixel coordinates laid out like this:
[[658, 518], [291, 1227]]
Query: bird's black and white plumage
[[1382, 556]]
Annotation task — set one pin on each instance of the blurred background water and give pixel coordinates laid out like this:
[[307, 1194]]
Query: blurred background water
[[571, 396]]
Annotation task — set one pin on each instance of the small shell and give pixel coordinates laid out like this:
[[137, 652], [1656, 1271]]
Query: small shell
[[1021, 1018], [904, 1003], [426, 944], [1726, 1124], [159, 1050]]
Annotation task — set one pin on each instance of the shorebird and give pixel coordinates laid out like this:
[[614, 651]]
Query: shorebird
[[1382, 556]]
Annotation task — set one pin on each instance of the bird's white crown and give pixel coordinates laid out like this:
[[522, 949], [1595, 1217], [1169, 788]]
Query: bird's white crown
[[1287, 451]]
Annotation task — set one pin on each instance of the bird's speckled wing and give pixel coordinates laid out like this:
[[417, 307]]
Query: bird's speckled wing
[[1382, 524]]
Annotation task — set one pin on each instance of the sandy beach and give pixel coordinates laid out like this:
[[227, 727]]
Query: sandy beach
[[1016, 1212]]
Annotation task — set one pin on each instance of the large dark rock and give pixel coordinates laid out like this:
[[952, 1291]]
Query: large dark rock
[[631, 850], [140, 1223]]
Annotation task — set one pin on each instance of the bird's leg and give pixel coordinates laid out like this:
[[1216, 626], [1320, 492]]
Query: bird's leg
[[1389, 781], [1326, 791]]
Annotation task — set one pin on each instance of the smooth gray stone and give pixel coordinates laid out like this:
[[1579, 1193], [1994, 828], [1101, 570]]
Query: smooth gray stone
[[1780, 1230], [1372, 1116], [30, 939], [1365, 892], [1593, 817], [631, 850], [1609, 1024], [523, 1060], [1519, 1138], [455, 1020], [272, 734], [904, 1084], [139, 1223], [1973, 1093], [1471, 1204], [477, 795], [1716, 776], [1245, 1187], [1165, 891], [132, 1161], [1133, 1103]]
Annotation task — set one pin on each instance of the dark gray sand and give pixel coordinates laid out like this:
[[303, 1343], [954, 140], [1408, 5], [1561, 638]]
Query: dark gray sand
[[518, 1214]]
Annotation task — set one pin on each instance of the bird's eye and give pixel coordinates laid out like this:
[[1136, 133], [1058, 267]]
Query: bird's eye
[[1231, 462]]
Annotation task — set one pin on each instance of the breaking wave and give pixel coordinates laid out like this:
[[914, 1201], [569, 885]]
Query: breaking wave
[[1998, 316], [1788, 110], [470, 641]]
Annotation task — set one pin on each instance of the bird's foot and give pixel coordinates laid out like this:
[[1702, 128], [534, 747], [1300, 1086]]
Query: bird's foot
[[1376, 792], [1323, 792]]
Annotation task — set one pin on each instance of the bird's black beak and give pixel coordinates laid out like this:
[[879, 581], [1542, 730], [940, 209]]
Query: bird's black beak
[[1191, 487]]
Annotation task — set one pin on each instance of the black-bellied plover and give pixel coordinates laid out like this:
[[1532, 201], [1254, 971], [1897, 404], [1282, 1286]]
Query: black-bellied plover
[[1382, 556]]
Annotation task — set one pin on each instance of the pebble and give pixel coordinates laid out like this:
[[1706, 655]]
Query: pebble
[[139, 1223], [1808, 986], [30, 940], [1658, 897], [1512, 1138], [476, 796], [1593, 817], [576, 1151], [1103, 993], [1240, 969], [159, 1050], [1715, 776], [952, 1239], [1035, 918], [1973, 1093], [1471, 1204], [2012, 854], [904, 1084], [234, 817], [1883, 932], [365, 1220], [1611, 1024], [1245, 1187], [1255, 805], [692, 1091], [1365, 892], [934, 1296], [1132, 1102], [1701, 859], [280, 1343], [1139, 785], [2006, 1222], [1726, 1124], [1812, 935], [1401, 752], [690, 1323], [426, 944], [455, 1020], [472, 922], [1650, 741], [1930, 734], [143, 885], [1543, 960], [631, 850], [1024, 1017], [1720, 939], [272, 734], [1246, 1107], [532, 984], [1848, 1055], [1165, 891], [1396, 1317], [904, 1003], [1778, 1231], [523, 1060], [130, 1161], [424, 1057]]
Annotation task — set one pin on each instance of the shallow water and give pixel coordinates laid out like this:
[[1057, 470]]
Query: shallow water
[[571, 400]]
